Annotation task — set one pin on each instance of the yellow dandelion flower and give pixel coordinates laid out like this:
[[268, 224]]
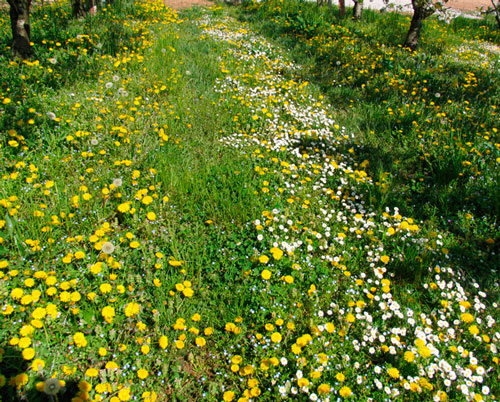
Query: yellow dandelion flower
[[324, 389], [92, 372], [28, 353], [393, 372], [345, 392], [200, 341], [385, 259], [163, 342], [124, 394], [276, 337], [266, 274], [276, 253], [79, 340], [228, 396], [125, 207], [37, 365], [263, 259], [147, 200]]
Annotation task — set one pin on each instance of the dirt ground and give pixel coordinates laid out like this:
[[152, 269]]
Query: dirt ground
[[463, 5], [182, 4], [468, 5]]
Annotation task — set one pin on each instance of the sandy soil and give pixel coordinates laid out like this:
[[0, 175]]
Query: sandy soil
[[468, 5], [182, 4]]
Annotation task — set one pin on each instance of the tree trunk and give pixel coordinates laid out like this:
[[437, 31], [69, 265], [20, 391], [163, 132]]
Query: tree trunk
[[496, 10], [20, 25], [342, 8], [357, 10], [78, 9], [421, 10]]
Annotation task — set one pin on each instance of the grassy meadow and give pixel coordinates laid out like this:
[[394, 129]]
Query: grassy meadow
[[262, 202]]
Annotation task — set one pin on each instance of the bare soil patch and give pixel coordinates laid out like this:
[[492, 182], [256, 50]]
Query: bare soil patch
[[468, 5], [183, 4]]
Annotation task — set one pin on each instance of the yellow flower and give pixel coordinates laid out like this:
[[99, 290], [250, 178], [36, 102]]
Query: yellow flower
[[111, 365], [24, 342], [424, 351], [474, 330], [303, 382], [277, 253], [324, 389], [263, 259], [105, 288], [393, 372], [467, 317], [37, 365], [125, 207], [147, 200], [385, 259], [276, 337], [142, 374], [79, 340], [134, 244], [79, 255], [92, 372], [179, 344], [228, 396], [345, 392], [108, 314], [163, 342], [151, 216], [340, 377], [124, 394], [409, 356], [132, 309], [266, 274], [188, 292], [200, 341], [39, 313], [28, 353]]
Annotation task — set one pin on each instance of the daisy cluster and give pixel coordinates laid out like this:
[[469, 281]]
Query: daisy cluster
[[334, 317]]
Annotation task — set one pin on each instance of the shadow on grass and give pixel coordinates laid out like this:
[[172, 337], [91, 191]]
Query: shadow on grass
[[432, 182], [13, 368]]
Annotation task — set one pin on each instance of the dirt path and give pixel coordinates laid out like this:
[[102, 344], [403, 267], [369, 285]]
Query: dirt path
[[182, 4], [468, 5]]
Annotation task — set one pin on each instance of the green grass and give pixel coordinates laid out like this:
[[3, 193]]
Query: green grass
[[407, 110], [304, 231]]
